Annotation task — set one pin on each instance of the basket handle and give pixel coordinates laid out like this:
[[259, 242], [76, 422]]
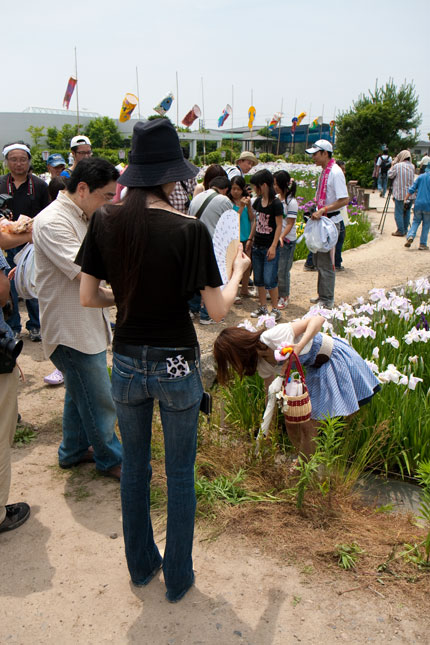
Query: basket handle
[[294, 359]]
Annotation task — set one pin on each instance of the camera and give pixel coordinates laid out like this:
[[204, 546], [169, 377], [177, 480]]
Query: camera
[[5, 202], [206, 403], [10, 349], [309, 212]]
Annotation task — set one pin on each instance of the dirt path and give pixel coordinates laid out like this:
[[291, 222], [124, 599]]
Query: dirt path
[[63, 574]]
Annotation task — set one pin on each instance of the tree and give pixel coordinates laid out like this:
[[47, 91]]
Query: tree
[[388, 116], [103, 133], [36, 132]]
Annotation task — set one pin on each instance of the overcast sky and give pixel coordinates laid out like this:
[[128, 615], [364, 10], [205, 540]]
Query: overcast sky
[[310, 54]]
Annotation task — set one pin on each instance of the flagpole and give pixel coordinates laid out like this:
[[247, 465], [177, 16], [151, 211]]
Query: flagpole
[[251, 147], [279, 126], [138, 95], [204, 134], [293, 133], [177, 102], [77, 91], [322, 121], [307, 133], [232, 120]]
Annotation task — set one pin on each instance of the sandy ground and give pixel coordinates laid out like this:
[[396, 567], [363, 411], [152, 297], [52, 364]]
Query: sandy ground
[[63, 574]]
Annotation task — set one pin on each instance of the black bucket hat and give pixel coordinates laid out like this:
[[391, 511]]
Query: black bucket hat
[[156, 156]]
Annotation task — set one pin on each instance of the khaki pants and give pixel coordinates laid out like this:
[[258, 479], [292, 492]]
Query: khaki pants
[[8, 417]]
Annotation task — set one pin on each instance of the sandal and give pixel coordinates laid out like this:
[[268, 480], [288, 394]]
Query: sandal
[[56, 378]]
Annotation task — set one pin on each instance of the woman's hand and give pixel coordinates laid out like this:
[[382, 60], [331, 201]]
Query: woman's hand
[[11, 274], [241, 262]]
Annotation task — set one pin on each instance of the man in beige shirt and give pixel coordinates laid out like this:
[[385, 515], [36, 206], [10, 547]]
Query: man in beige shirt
[[75, 338]]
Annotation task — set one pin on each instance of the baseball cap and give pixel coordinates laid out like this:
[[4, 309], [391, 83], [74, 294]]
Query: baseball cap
[[80, 139], [55, 160], [321, 144]]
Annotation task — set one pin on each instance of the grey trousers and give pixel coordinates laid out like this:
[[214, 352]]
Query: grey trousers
[[8, 417], [326, 276]]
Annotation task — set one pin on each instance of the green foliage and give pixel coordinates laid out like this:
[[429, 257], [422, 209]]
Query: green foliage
[[244, 402], [361, 171], [419, 554], [36, 133], [37, 163], [214, 157], [60, 139], [24, 435], [388, 115], [266, 156], [103, 133], [347, 555]]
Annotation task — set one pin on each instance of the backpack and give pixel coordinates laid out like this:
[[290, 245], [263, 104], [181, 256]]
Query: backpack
[[385, 165]]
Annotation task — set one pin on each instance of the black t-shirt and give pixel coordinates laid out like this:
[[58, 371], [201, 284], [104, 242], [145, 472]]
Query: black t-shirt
[[177, 261], [29, 199], [266, 221]]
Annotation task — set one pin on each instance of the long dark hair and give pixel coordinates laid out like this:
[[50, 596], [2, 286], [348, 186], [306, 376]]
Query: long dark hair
[[287, 185], [131, 237], [212, 171], [239, 181], [264, 177], [236, 348]]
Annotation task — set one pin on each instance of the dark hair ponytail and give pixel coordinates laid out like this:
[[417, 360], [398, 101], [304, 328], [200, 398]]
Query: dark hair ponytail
[[287, 185]]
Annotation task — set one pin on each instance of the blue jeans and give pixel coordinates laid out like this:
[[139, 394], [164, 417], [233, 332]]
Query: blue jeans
[[339, 244], [424, 217], [265, 271], [402, 218], [382, 184], [32, 305], [198, 307], [89, 411], [136, 383], [286, 257], [310, 260]]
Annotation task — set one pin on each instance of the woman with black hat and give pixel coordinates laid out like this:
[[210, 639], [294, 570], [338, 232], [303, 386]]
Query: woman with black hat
[[155, 258]]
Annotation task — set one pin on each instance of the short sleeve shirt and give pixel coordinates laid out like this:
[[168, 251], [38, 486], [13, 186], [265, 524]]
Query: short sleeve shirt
[[177, 261], [29, 199], [266, 221]]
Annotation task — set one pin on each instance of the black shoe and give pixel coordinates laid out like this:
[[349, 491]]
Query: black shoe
[[35, 336], [307, 267], [16, 514]]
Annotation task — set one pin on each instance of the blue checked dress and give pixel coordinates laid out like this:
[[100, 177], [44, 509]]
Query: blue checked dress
[[340, 386]]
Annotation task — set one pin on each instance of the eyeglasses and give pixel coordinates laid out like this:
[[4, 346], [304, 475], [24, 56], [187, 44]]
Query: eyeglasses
[[84, 153]]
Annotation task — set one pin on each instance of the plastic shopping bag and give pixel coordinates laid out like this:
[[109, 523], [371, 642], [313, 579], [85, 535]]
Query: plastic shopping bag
[[320, 235]]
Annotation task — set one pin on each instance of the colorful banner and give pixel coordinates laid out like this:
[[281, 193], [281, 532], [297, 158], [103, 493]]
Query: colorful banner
[[275, 120], [69, 91], [294, 122], [251, 117], [224, 116], [332, 128], [127, 107], [301, 117], [316, 123], [164, 105], [191, 116]]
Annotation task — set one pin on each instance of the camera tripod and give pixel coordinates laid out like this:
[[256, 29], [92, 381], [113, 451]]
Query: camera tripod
[[385, 210]]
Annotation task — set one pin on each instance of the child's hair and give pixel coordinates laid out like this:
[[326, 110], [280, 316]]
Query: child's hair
[[220, 182], [264, 177], [286, 183], [239, 181], [237, 348], [214, 170], [55, 185]]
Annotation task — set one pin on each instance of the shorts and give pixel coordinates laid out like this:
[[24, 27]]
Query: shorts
[[265, 271]]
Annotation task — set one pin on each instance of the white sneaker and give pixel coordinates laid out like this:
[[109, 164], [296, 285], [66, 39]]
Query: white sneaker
[[276, 314], [207, 321], [282, 303], [261, 311]]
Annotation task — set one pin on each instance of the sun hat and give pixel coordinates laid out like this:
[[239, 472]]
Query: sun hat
[[55, 160], [156, 156], [321, 144], [246, 154], [79, 140]]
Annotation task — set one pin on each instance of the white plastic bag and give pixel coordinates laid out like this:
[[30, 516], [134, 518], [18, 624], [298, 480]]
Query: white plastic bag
[[320, 235]]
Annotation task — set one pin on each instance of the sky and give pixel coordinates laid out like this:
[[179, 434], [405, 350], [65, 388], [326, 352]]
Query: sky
[[310, 56]]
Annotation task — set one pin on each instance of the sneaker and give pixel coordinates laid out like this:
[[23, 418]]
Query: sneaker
[[306, 267], [267, 295], [398, 234], [17, 335], [35, 336], [341, 268], [238, 300], [409, 242], [423, 247], [324, 305], [207, 321], [275, 313], [55, 378], [314, 300], [282, 303], [16, 514], [261, 311]]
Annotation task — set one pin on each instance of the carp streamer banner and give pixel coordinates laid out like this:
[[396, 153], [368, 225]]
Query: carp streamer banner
[[275, 120], [69, 91], [251, 117], [129, 103], [164, 105], [224, 116], [191, 116]]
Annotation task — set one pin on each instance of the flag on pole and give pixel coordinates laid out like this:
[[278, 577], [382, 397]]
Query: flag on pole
[[301, 117], [294, 122], [275, 120], [332, 127], [191, 116], [316, 123], [129, 103], [69, 91], [251, 117], [224, 116], [164, 105]]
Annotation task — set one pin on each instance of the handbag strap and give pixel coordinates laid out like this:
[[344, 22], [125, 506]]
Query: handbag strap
[[205, 203], [294, 359]]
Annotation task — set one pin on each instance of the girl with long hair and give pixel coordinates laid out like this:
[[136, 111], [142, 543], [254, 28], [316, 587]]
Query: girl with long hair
[[155, 258], [338, 379], [242, 204], [285, 188]]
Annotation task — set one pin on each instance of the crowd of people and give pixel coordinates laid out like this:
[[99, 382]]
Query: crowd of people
[[142, 241]]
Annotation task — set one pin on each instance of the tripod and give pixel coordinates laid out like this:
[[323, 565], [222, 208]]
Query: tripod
[[384, 210]]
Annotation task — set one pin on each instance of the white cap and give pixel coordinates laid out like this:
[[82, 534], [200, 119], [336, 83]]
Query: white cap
[[321, 144], [79, 140]]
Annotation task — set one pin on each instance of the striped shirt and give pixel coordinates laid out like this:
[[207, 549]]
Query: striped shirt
[[403, 175]]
